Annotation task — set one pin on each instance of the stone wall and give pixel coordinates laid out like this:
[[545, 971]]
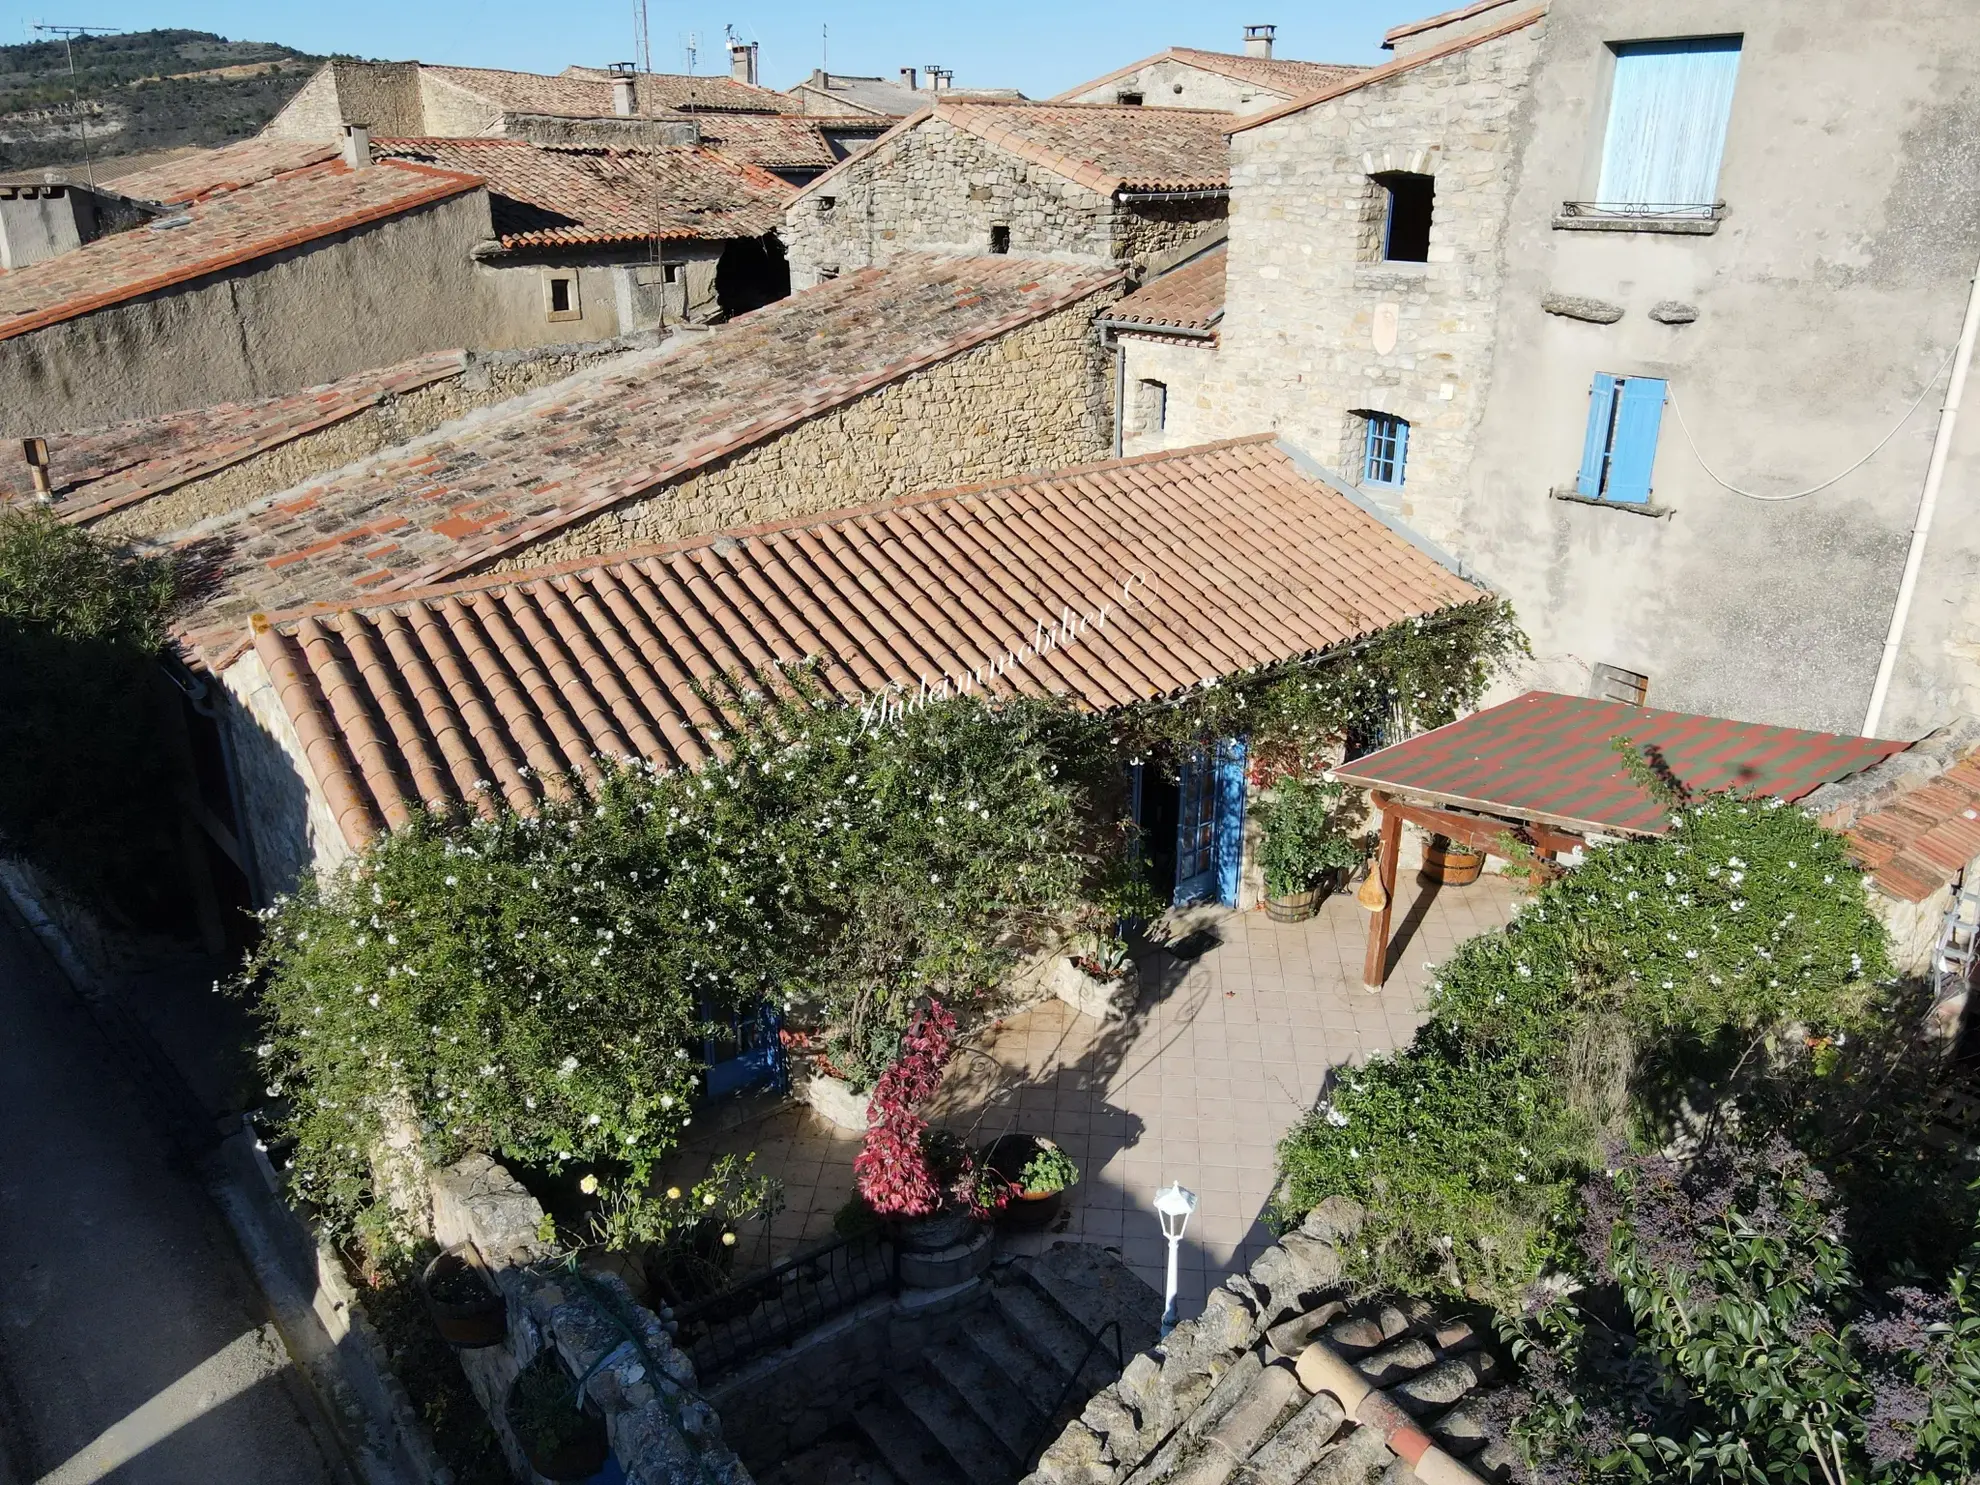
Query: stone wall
[[1181, 366], [451, 112], [1146, 230], [1305, 287], [663, 1430], [938, 188], [288, 820], [1036, 398], [487, 377], [1169, 82], [289, 320]]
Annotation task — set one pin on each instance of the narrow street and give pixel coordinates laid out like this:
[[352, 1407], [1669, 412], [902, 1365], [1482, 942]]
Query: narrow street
[[133, 1347]]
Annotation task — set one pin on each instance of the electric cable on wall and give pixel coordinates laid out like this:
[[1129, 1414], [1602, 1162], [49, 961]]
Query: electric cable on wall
[[1726, 484]]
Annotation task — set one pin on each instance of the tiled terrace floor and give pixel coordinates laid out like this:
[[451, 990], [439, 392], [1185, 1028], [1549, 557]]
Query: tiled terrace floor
[[1221, 1057]]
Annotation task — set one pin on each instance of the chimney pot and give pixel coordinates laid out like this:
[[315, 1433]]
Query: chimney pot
[[910, 78], [357, 146], [742, 62], [36, 450], [622, 96], [1258, 40]]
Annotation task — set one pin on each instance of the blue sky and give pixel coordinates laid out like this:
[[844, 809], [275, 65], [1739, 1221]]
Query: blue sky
[[1030, 44]]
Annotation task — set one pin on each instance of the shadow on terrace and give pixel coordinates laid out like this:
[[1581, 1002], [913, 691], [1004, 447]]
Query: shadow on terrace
[[1221, 1056]]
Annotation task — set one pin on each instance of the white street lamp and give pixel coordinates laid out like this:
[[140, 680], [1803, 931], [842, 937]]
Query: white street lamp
[[1173, 1204]]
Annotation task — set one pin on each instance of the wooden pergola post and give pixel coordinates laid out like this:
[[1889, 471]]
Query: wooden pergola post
[[1376, 968]]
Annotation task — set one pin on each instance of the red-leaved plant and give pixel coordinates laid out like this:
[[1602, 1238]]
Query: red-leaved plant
[[892, 1166]]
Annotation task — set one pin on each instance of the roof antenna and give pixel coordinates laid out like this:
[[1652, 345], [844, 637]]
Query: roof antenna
[[824, 47], [642, 38], [68, 35]]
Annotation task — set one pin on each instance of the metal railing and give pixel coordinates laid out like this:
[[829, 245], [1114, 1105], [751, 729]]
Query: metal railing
[[1707, 210], [775, 1307]]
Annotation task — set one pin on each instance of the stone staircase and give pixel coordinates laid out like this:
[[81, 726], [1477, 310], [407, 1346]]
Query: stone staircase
[[976, 1408]]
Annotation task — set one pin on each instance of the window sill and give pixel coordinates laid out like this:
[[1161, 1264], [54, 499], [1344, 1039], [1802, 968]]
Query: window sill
[[1576, 217], [1385, 275], [1574, 497]]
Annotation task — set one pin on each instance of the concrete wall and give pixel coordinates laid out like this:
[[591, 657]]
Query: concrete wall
[[487, 378], [619, 292], [1183, 366], [369, 297], [452, 112], [1037, 398], [1305, 287], [1169, 83], [1827, 300]]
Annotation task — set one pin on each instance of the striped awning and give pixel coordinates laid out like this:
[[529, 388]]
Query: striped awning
[[1552, 759]]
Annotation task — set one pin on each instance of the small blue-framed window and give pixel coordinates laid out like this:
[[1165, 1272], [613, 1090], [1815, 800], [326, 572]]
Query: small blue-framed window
[[1625, 414], [1387, 449]]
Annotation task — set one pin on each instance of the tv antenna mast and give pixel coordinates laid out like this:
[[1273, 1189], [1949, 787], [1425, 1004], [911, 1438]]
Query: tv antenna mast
[[68, 35], [642, 39], [692, 47]]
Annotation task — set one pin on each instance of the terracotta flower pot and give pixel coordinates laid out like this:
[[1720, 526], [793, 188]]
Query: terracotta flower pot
[[1027, 1211], [466, 1307]]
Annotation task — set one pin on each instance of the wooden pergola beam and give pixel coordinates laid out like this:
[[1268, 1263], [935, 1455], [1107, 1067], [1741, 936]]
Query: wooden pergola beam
[[1484, 833]]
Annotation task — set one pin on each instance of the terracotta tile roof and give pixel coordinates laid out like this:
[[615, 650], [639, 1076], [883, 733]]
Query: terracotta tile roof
[[545, 195], [1442, 18], [1280, 75], [1547, 757], [774, 143], [1187, 298], [518, 472], [98, 470], [1103, 146], [1234, 559], [206, 172], [586, 92], [217, 233], [1922, 839], [1518, 21]]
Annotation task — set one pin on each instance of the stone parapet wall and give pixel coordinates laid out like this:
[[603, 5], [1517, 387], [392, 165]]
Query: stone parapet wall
[[663, 1430], [1306, 287], [1036, 398], [1183, 367]]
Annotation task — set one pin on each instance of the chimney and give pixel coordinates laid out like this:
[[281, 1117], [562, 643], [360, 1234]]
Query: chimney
[[910, 78], [36, 450], [622, 96], [742, 62], [939, 78], [357, 146], [1258, 40]]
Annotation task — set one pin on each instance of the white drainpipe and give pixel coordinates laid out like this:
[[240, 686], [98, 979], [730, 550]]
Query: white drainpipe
[[1928, 503]]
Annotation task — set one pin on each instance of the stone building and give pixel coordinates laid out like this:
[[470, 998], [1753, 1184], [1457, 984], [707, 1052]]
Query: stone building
[[1095, 183], [1244, 82], [579, 106], [1740, 312], [1066, 579], [248, 278], [591, 242], [1164, 338], [1366, 250], [838, 93]]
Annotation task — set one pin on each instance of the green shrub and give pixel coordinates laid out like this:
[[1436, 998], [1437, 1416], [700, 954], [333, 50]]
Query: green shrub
[[1652, 963], [1305, 834], [86, 792]]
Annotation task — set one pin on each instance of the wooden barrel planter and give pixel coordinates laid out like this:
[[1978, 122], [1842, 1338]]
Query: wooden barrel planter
[[467, 1309], [1297, 907], [1450, 864]]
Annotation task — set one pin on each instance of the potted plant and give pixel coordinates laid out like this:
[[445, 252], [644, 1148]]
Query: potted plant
[[1097, 977], [467, 1309], [923, 1182], [1036, 1172], [1307, 851], [561, 1436], [1450, 864]]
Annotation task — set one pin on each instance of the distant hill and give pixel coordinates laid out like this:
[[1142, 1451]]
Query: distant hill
[[139, 92]]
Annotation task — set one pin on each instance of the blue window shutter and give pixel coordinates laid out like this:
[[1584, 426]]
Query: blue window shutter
[[1230, 818], [1402, 450], [1639, 414], [1668, 109], [1595, 449]]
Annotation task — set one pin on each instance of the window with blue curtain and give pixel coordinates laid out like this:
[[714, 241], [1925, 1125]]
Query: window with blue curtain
[[1387, 449], [1625, 414], [1667, 125]]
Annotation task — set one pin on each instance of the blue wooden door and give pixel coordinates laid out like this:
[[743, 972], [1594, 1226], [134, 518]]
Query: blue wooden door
[[745, 1052], [1210, 830]]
